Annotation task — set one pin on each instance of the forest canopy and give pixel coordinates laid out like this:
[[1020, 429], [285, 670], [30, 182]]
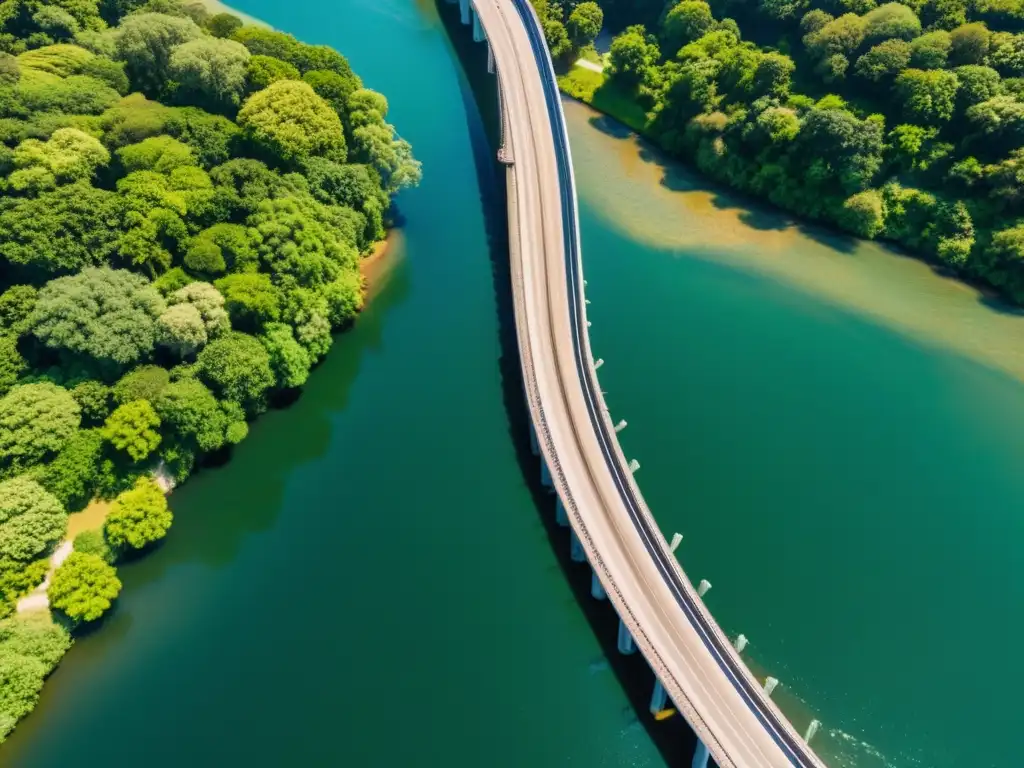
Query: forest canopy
[[898, 120], [184, 202]]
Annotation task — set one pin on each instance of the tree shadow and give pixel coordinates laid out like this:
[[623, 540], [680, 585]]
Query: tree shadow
[[673, 737], [999, 304], [611, 127]]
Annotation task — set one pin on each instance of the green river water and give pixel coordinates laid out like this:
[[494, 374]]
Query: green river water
[[373, 579]]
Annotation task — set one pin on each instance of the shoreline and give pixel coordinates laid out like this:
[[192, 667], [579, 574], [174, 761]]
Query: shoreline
[[216, 6], [627, 113], [378, 267], [636, 189]]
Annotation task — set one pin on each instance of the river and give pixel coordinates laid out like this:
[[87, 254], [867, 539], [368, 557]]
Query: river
[[373, 579]]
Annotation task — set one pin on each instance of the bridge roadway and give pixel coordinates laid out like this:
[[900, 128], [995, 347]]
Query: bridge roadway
[[581, 458]]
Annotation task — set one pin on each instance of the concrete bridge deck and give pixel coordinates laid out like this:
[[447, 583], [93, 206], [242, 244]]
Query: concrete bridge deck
[[581, 459]]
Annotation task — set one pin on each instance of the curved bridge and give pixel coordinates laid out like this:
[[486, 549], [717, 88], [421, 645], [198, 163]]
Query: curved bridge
[[612, 528]]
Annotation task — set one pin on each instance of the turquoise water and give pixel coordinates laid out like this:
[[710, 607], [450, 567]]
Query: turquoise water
[[369, 581], [373, 579], [852, 491]]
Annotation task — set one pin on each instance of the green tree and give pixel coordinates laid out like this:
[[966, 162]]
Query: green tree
[[69, 155], [223, 24], [945, 14], [289, 122], [288, 359], [71, 475], [977, 84], [161, 154], [204, 257], [74, 226], [138, 517], [771, 76], [144, 42], [333, 88], [814, 20], [35, 636], [1007, 54], [237, 244], [74, 95], [1005, 257], [779, 124], [190, 411], [180, 328], [884, 61], [891, 21], [251, 300], [557, 38], [93, 397], [928, 96], [237, 367], [212, 138], [12, 364], [930, 51], [93, 542], [841, 36], [22, 678], [998, 123], [685, 22], [908, 144], [851, 147], [863, 214], [32, 520], [584, 23], [261, 71], [631, 56], [968, 44], [132, 428], [294, 242], [106, 316], [36, 421], [142, 383], [344, 298], [16, 305], [375, 143], [210, 72], [84, 587]]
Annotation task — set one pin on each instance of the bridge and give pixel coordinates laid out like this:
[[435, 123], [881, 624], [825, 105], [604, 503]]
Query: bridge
[[660, 612]]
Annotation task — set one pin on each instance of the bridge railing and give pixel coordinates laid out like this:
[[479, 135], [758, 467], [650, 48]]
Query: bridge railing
[[711, 634]]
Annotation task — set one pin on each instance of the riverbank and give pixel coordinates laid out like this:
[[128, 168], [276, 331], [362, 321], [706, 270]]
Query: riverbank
[[637, 188], [797, 402], [216, 6], [133, 429], [592, 86]]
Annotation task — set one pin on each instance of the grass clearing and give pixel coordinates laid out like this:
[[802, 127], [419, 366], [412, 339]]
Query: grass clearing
[[595, 89], [89, 518]]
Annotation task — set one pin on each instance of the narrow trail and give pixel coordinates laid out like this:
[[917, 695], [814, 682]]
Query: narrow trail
[[36, 600]]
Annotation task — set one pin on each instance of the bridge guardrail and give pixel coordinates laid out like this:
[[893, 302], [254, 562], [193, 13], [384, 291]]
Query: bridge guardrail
[[714, 639]]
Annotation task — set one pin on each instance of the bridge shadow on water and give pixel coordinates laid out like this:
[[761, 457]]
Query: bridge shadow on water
[[673, 737]]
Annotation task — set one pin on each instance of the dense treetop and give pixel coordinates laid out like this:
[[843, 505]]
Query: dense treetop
[[902, 120], [184, 202]]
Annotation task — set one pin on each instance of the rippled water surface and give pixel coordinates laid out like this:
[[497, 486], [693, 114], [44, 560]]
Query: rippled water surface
[[837, 431]]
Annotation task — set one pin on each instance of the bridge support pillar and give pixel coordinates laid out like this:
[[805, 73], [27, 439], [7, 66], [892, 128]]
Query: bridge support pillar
[[478, 28], [490, 59], [561, 516], [597, 588], [534, 445], [545, 476], [700, 756], [576, 553], [626, 644], [658, 697], [464, 11]]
